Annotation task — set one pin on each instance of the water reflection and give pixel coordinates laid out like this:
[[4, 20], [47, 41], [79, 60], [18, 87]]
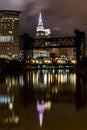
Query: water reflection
[[80, 93], [9, 113], [55, 86], [53, 81], [26, 91], [41, 107], [39, 87]]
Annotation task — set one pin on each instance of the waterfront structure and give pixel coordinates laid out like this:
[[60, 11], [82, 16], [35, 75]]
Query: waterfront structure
[[71, 53], [68, 52], [9, 34]]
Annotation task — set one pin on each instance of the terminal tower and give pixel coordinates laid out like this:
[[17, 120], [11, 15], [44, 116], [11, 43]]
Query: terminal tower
[[41, 32]]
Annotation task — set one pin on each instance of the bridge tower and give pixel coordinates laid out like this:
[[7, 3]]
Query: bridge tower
[[80, 43]]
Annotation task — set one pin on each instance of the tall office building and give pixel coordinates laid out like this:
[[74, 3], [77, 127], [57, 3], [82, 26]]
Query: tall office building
[[41, 32], [9, 34]]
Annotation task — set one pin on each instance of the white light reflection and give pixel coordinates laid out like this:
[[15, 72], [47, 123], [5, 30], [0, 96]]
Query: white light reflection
[[40, 109], [11, 81], [21, 80], [63, 78], [43, 78], [73, 79], [47, 78], [41, 106], [5, 99], [35, 79]]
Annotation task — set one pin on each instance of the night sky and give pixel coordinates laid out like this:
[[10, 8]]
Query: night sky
[[61, 16]]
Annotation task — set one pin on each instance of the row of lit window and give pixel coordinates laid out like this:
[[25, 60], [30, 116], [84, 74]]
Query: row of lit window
[[6, 38], [10, 18]]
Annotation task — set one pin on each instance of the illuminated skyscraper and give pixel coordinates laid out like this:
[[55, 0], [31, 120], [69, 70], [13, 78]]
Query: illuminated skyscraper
[[41, 32], [9, 34], [40, 26]]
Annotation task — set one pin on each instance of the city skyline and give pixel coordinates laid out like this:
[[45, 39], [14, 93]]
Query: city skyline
[[62, 17]]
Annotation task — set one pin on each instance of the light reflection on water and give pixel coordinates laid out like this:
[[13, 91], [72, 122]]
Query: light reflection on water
[[42, 85], [49, 79]]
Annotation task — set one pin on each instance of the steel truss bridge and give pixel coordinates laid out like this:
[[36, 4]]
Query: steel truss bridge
[[77, 42], [56, 42]]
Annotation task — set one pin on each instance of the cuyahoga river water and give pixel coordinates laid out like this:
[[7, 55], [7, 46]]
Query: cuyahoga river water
[[43, 99]]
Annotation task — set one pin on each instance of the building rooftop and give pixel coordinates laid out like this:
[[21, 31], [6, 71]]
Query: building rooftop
[[10, 11]]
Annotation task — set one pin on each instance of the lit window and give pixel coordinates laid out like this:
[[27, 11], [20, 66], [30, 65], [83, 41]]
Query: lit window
[[10, 31], [5, 38]]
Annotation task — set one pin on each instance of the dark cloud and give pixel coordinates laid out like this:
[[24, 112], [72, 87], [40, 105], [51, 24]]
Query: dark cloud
[[61, 16]]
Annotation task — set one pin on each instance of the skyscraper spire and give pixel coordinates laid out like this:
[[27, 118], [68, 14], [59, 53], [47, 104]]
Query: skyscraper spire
[[40, 26]]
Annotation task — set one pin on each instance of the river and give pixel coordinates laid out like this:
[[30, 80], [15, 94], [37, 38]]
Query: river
[[43, 99]]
